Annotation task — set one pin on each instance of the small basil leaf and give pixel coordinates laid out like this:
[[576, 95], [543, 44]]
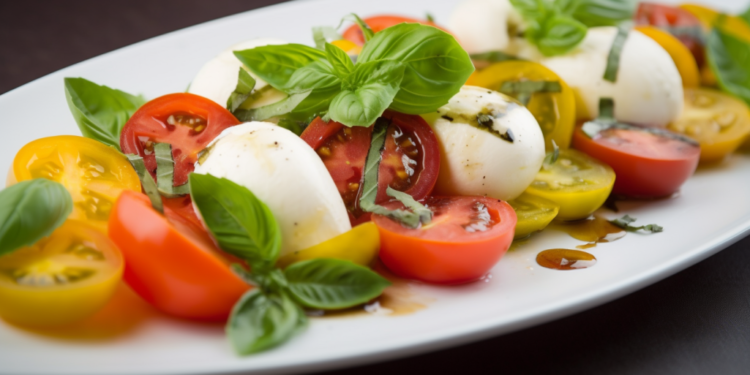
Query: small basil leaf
[[245, 86], [552, 156], [594, 13], [324, 34], [559, 34], [259, 322], [100, 111], [625, 221], [332, 283], [367, 32], [148, 183], [276, 64], [729, 59], [31, 210], [240, 223], [282, 107], [436, 66], [341, 62], [371, 89]]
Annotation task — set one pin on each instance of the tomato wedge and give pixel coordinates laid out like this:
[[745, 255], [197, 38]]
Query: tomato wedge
[[171, 263], [378, 23], [188, 122], [61, 279], [466, 238], [410, 159], [647, 165]]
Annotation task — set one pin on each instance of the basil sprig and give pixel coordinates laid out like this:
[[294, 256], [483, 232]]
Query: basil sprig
[[410, 68], [625, 221], [729, 59], [100, 111], [31, 210], [272, 312], [557, 26]]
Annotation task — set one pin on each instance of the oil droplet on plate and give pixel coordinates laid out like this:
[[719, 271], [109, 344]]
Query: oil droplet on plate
[[565, 259]]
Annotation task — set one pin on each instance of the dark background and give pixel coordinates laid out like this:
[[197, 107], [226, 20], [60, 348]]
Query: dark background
[[695, 322]]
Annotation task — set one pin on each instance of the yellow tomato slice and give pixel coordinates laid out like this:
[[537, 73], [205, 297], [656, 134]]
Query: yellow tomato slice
[[576, 182], [533, 213], [719, 122], [709, 17], [680, 54], [554, 111], [93, 173], [359, 245], [62, 279]]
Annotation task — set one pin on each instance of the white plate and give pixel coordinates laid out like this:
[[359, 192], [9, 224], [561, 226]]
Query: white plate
[[712, 212]]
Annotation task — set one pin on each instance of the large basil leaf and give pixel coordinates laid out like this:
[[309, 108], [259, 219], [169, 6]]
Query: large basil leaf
[[100, 111], [370, 90], [31, 210], [435, 65], [262, 321], [276, 64], [332, 283], [729, 58], [341, 62], [559, 34], [316, 75], [241, 224], [594, 13]]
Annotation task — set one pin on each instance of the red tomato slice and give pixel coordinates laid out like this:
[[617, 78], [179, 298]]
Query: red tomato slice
[[676, 21], [188, 122], [172, 263], [646, 164], [410, 158], [466, 238], [378, 23]]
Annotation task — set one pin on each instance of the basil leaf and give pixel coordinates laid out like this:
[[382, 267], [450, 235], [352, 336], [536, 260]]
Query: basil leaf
[[100, 111], [493, 56], [31, 210], [282, 107], [276, 64], [746, 15], [594, 13], [424, 213], [245, 86], [259, 322], [552, 156], [240, 223], [558, 35], [523, 90], [324, 34], [341, 62], [367, 32], [371, 89], [165, 172], [148, 183], [316, 75], [436, 66], [332, 283], [625, 221], [613, 59], [729, 59]]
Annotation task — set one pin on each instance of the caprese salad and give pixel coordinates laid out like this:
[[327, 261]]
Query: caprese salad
[[270, 187]]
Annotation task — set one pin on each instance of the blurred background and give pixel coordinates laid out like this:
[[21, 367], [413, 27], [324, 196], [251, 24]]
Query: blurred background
[[695, 322]]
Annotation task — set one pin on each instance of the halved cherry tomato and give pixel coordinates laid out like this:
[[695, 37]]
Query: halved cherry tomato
[[646, 164], [171, 263], [554, 111], [410, 159], [359, 245], [708, 19], [61, 279], [378, 23], [466, 238], [576, 182], [93, 173], [188, 122], [679, 22], [533, 213], [719, 122], [679, 53]]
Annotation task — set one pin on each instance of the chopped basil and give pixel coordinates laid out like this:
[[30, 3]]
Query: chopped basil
[[615, 52], [552, 156], [245, 86], [279, 108], [149, 185], [165, 172], [493, 57], [522, 90], [625, 221], [366, 30], [424, 213]]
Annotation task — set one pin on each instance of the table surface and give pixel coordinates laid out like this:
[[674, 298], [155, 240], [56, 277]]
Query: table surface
[[695, 322]]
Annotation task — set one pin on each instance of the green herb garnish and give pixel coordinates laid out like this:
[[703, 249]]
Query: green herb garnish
[[165, 172], [245, 86], [625, 221], [523, 90], [148, 183], [729, 59], [493, 56], [615, 52], [551, 157]]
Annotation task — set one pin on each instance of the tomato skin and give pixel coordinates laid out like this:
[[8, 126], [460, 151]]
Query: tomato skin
[[638, 173], [151, 122], [453, 259], [378, 23], [172, 264], [666, 16]]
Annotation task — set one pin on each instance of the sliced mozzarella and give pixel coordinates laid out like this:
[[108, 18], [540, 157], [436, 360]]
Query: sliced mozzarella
[[648, 89], [287, 175], [218, 78], [475, 160]]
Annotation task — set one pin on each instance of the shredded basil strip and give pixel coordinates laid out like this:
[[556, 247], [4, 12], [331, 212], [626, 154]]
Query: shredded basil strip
[[493, 56], [522, 90], [625, 221], [279, 108], [245, 86], [424, 213], [366, 30], [165, 172], [324, 34], [552, 156], [613, 59], [149, 185]]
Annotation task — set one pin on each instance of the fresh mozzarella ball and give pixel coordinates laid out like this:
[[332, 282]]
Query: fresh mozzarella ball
[[218, 78], [474, 157], [284, 173], [648, 90], [490, 25]]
